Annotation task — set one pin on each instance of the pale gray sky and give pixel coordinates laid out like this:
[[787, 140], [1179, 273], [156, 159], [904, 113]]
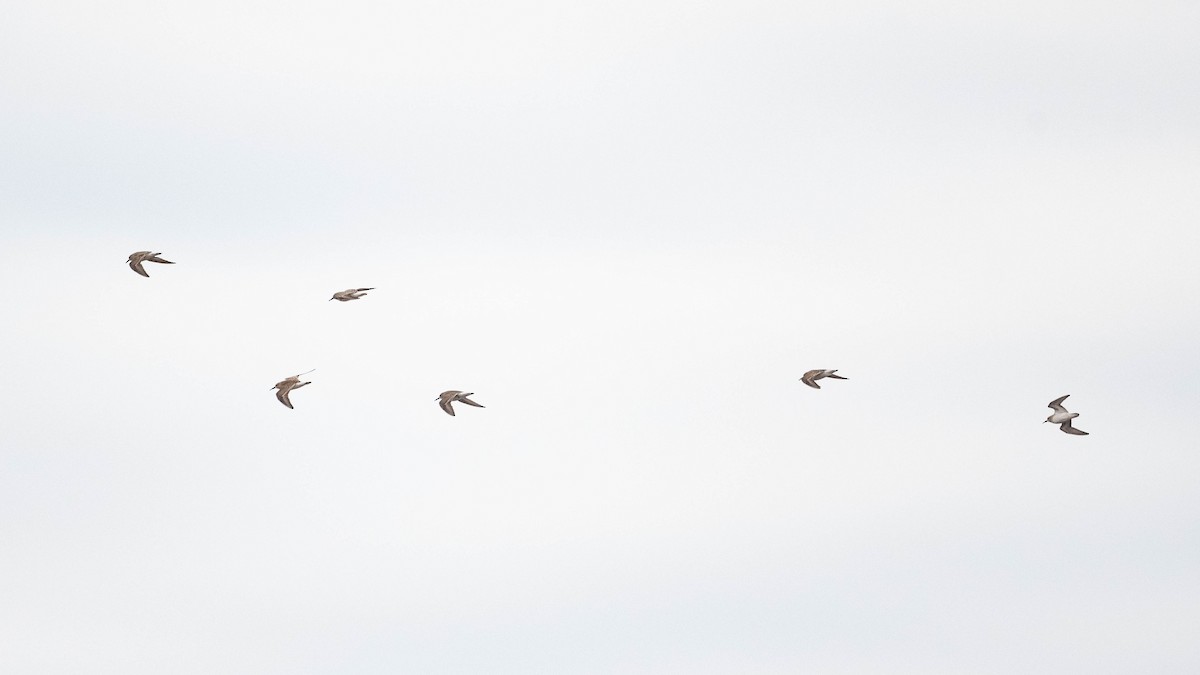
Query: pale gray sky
[[629, 227]]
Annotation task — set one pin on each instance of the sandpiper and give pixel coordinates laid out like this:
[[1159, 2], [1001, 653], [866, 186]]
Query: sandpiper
[[286, 386], [137, 258], [350, 294], [1063, 418], [810, 378], [447, 397]]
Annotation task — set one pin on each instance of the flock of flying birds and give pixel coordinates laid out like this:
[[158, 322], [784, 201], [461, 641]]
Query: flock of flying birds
[[1060, 416], [285, 387]]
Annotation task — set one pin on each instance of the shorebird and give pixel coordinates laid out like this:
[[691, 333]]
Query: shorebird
[[447, 397], [1063, 418], [286, 386], [810, 378], [136, 259], [350, 294]]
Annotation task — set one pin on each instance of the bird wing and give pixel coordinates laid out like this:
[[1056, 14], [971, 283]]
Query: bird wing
[[468, 401], [1056, 404], [1066, 426], [445, 403], [136, 266], [282, 395], [836, 377], [808, 379], [154, 258]]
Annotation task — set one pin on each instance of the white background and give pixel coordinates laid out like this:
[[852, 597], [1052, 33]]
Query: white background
[[628, 227]]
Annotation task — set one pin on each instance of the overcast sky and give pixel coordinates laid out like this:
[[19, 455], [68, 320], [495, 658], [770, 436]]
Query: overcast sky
[[628, 227]]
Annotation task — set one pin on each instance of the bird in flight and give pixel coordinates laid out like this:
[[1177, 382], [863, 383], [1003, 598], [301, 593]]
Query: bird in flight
[[1061, 417], [286, 386], [448, 397], [810, 378], [136, 259], [350, 294]]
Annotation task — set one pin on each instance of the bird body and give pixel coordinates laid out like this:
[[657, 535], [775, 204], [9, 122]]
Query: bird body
[[447, 397], [285, 387], [810, 378], [138, 257], [1061, 417], [350, 294]]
